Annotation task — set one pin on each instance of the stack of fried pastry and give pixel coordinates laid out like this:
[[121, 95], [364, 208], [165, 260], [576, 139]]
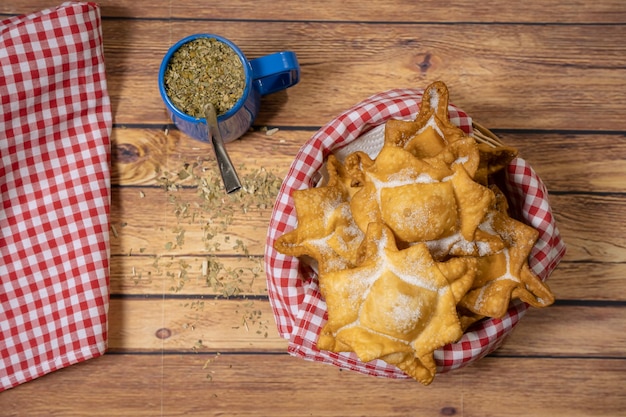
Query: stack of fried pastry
[[415, 245]]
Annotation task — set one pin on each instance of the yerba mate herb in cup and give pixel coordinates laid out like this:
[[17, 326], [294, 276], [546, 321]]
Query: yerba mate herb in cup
[[264, 75], [203, 71]]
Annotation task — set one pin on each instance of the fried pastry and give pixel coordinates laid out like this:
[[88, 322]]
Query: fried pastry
[[431, 131], [401, 190], [420, 200], [326, 230], [505, 275], [395, 305]]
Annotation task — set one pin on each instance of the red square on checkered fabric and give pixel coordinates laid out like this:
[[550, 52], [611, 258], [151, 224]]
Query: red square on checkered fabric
[[55, 126], [298, 307]]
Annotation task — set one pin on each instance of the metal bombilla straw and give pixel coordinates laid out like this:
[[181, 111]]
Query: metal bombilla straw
[[227, 170]]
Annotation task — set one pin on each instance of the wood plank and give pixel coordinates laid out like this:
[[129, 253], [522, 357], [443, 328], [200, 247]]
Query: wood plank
[[574, 162], [587, 223], [589, 281], [157, 234], [565, 390], [278, 385], [569, 331], [139, 152], [590, 226], [138, 228], [605, 11], [583, 219], [149, 275], [534, 148], [248, 325], [511, 76], [207, 275], [191, 325]]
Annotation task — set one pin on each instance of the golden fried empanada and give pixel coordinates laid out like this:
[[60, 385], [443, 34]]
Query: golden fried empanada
[[326, 230], [506, 275], [396, 304], [431, 131]]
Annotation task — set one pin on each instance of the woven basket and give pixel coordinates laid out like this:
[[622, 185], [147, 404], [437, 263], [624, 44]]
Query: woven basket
[[298, 307], [484, 135]]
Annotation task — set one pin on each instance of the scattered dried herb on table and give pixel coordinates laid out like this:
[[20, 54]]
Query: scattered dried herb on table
[[204, 70], [212, 212]]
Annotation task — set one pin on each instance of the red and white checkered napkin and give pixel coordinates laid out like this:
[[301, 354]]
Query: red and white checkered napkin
[[299, 309], [55, 126]]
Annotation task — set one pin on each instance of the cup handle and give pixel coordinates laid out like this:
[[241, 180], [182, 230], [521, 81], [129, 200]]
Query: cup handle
[[275, 72]]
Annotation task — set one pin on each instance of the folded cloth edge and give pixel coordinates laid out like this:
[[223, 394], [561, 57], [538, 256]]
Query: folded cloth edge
[[85, 15]]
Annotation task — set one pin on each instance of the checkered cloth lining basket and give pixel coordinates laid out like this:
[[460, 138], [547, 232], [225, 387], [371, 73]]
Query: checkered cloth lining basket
[[298, 307], [55, 125]]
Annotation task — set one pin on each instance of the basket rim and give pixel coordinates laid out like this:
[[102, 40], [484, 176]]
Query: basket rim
[[484, 135]]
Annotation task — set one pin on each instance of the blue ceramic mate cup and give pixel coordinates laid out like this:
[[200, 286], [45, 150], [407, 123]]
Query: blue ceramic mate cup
[[264, 75]]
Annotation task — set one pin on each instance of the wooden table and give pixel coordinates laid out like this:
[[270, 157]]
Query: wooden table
[[191, 331]]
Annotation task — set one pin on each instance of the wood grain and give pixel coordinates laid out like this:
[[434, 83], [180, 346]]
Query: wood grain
[[566, 162], [578, 216], [151, 275], [194, 324], [191, 331], [533, 11], [138, 227], [574, 280], [277, 385], [592, 162], [513, 76], [208, 275], [585, 221], [248, 325], [555, 331], [141, 154]]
